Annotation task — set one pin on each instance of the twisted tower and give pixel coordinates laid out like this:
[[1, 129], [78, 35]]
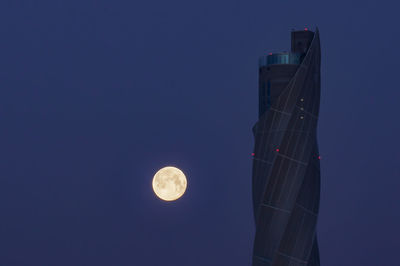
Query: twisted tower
[[286, 172]]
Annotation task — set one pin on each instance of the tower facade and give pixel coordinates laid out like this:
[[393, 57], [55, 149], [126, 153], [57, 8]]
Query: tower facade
[[286, 168]]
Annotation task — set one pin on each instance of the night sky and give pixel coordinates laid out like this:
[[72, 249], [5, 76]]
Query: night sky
[[96, 96]]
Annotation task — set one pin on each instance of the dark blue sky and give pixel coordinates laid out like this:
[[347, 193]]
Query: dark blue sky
[[96, 96]]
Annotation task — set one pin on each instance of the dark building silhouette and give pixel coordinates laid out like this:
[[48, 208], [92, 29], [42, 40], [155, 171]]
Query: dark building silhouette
[[286, 171]]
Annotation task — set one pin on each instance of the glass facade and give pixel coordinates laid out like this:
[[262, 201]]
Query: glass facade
[[286, 171], [281, 58], [264, 97]]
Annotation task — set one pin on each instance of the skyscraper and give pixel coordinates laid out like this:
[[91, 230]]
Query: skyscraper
[[286, 168]]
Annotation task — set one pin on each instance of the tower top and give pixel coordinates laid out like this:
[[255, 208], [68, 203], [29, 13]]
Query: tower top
[[301, 40]]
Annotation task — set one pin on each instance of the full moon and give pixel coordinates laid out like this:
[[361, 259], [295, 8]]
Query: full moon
[[169, 183]]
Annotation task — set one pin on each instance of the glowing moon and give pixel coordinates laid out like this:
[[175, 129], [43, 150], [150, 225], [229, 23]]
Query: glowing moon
[[169, 183]]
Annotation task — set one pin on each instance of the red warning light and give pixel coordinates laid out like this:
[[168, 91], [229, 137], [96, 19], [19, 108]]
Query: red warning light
[[252, 154], [306, 29], [319, 157], [277, 150], [270, 53]]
